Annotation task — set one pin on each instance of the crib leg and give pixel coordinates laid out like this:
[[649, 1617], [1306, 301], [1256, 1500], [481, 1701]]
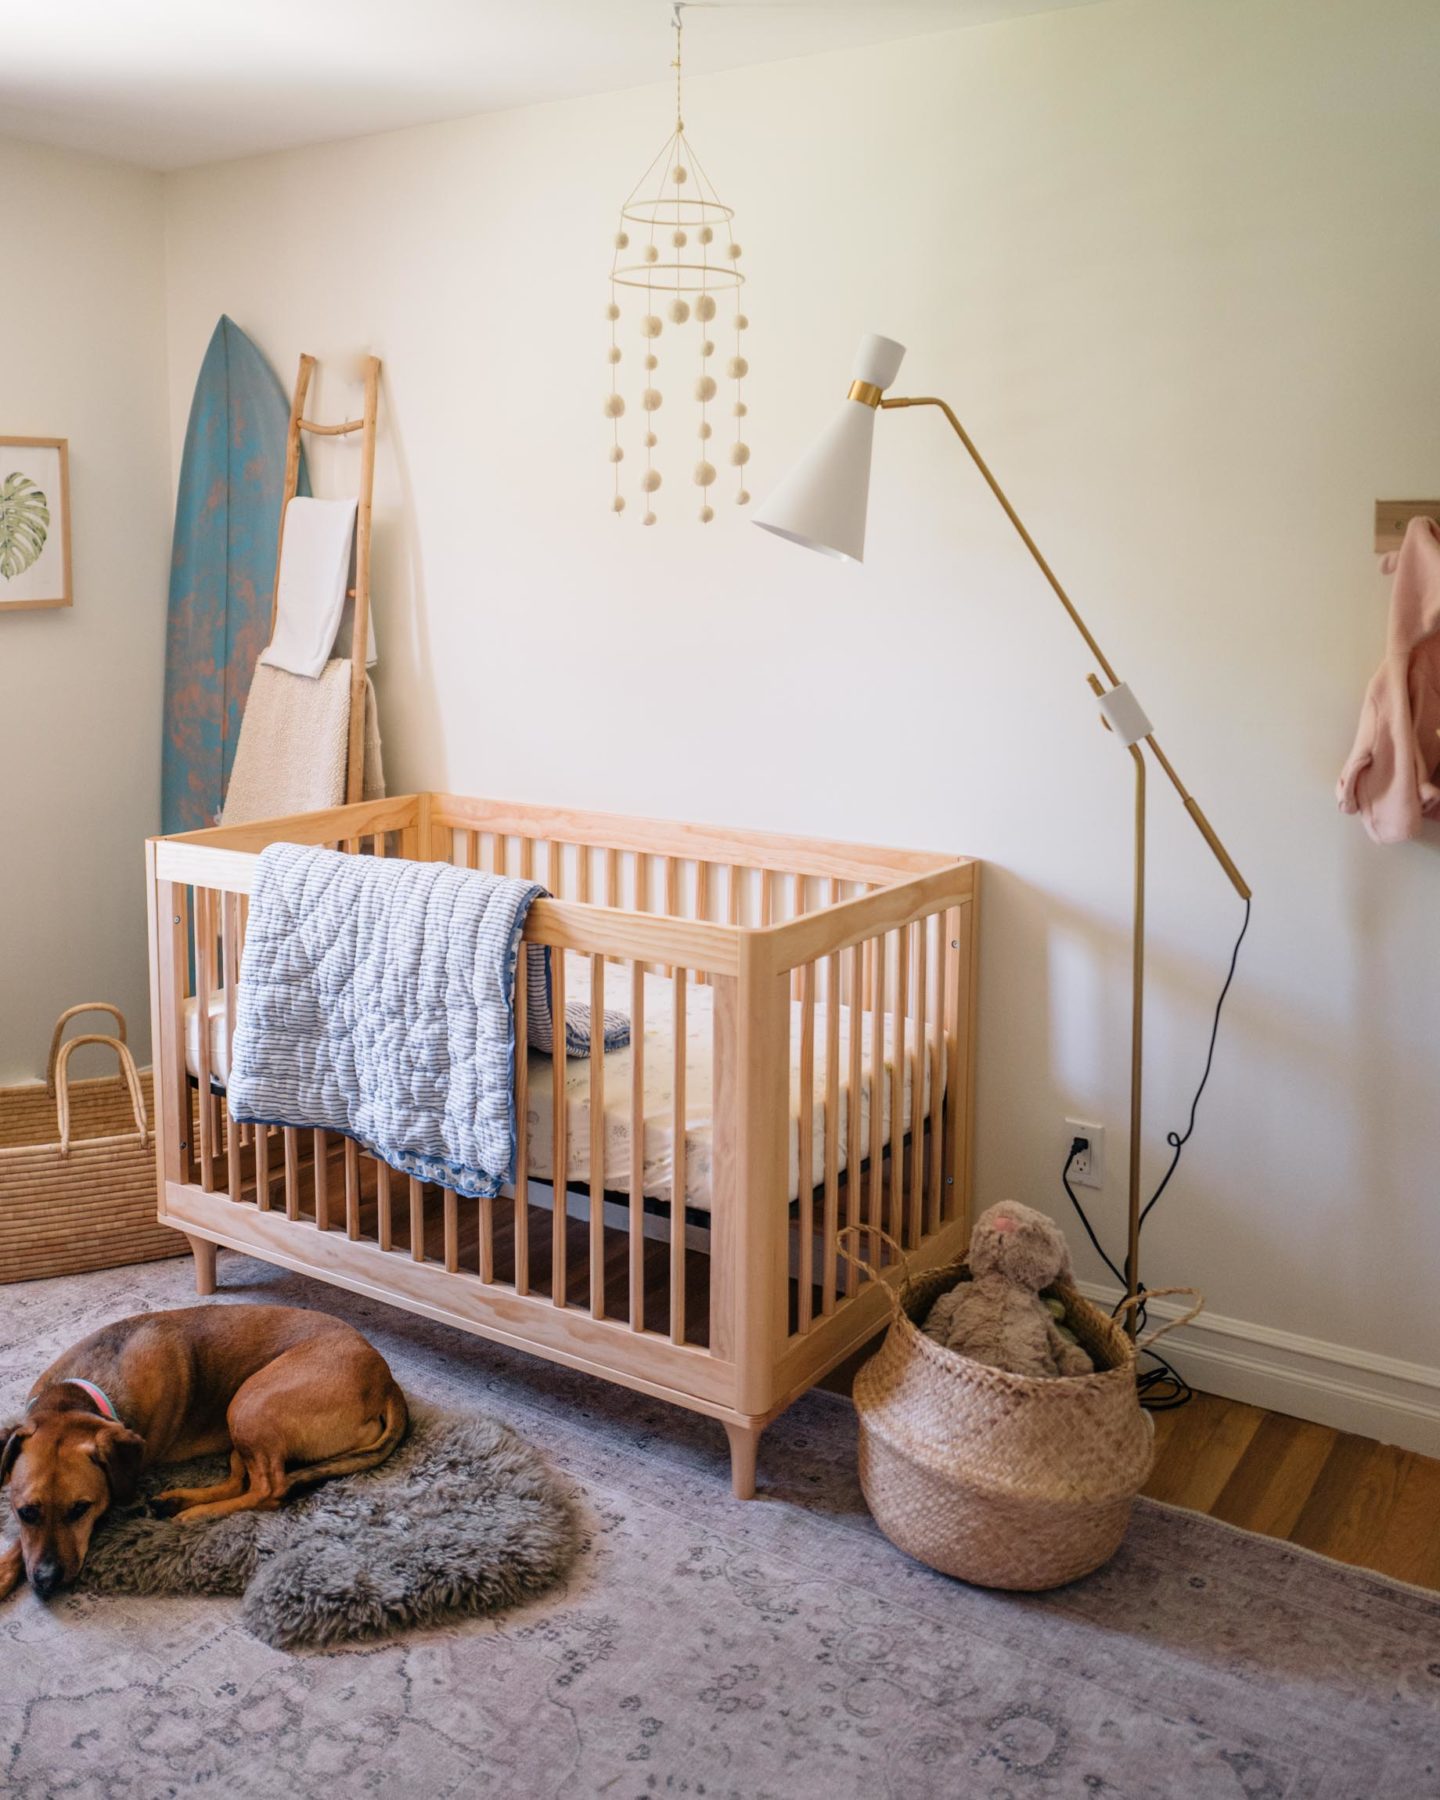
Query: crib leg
[[744, 1446], [204, 1264]]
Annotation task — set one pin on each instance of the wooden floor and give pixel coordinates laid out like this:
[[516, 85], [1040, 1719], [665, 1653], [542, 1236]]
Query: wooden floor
[[1345, 1496]]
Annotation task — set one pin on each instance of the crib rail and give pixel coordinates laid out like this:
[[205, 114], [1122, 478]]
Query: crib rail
[[838, 985]]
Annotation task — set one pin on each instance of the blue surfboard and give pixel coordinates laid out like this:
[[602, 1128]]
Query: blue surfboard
[[222, 570]]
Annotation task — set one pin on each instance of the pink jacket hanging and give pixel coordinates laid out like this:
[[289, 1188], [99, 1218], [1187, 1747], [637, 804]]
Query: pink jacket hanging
[[1389, 777]]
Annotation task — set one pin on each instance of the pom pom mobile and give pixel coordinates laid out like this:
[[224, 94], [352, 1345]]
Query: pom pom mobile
[[674, 247]]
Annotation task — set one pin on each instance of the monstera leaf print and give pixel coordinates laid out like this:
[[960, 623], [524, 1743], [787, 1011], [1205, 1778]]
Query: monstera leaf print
[[24, 524]]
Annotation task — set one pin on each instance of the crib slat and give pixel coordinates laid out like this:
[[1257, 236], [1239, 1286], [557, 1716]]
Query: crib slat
[[486, 1251], [557, 868], [597, 1136], [384, 1222], [527, 859], [452, 1230], [876, 1192], [672, 886], [854, 1150], [230, 943], [806, 1157], [560, 1160], [472, 849], [637, 1147], [832, 1133], [262, 1167], [417, 1220], [936, 1110], [612, 877], [897, 1085], [702, 907], [320, 1146], [960, 1001], [920, 932], [799, 907], [522, 1123], [733, 885], [677, 1164], [204, 987], [767, 896], [352, 1188], [582, 873], [291, 1139]]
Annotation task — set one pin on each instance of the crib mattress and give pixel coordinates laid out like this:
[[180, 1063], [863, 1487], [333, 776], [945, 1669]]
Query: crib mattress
[[659, 1111]]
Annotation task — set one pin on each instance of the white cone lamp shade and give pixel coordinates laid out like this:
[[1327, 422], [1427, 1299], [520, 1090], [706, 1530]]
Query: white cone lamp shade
[[822, 502]]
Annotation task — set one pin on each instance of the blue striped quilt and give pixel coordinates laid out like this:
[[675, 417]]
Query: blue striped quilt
[[376, 999]]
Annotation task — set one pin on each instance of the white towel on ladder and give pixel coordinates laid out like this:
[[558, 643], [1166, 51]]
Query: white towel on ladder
[[310, 587]]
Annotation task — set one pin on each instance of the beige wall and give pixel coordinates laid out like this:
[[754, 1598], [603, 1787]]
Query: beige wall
[[1176, 262], [82, 356]]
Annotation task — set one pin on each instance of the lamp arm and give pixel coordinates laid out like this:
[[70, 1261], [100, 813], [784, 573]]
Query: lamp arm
[[1190, 803]]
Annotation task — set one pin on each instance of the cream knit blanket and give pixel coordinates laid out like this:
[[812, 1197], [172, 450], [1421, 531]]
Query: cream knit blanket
[[293, 742]]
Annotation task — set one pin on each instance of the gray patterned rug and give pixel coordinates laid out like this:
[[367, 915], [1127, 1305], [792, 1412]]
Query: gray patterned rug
[[701, 1647]]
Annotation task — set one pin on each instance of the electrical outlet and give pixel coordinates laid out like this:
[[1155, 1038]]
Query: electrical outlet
[[1088, 1168]]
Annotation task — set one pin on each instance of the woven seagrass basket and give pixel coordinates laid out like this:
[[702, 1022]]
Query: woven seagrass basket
[[1006, 1481], [77, 1167]]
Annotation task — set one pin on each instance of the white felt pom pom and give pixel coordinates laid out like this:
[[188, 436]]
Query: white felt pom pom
[[732, 251], [618, 503], [741, 322], [651, 325], [739, 409], [652, 361], [707, 513], [742, 498], [705, 428], [705, 388], [651, 440], [679, 239], [707, 348], [679, 174], [704, 474], [649, 519], [737, 368], [679, 311], [739, 455], [707, 236], [652, 399], [622, 240], [612, 311], [651, 253], [650, 480], [616, 453], [614, 405], [705, 308], [612, 355]]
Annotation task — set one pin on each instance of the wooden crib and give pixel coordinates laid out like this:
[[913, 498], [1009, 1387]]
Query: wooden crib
[[834, 988]]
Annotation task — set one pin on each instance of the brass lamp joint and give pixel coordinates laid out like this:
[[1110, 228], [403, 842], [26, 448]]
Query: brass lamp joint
[[865, 392]]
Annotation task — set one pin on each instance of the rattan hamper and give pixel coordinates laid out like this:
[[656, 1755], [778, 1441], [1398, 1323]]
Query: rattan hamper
[[1003, 1480], [77, 1167]]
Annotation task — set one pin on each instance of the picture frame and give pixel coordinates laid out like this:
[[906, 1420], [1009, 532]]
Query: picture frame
[[34, 523]]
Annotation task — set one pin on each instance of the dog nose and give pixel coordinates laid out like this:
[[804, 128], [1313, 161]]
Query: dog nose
[[46, 1577]]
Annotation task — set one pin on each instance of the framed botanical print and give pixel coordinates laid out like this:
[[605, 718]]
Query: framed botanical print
[[34, 522]]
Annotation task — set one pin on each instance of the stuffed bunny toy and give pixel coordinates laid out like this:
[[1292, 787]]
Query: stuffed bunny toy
[[998, 1317]]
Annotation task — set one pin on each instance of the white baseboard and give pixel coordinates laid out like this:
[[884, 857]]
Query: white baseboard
[[1351, 1390]]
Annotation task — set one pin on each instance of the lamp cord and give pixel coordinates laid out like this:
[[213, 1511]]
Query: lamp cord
[[1160, 1385]]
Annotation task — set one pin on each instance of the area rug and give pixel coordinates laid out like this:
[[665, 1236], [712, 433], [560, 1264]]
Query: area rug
[[464, 1518], [700, 1646]]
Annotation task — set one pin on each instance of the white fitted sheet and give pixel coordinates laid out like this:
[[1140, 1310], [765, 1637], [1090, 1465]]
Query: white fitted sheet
[[659, 1126]]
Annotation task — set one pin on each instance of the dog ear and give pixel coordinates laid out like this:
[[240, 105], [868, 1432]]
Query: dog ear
[[12, 1439], [119, 1452]]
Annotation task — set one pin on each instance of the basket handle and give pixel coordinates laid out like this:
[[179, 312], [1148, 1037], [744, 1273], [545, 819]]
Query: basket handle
[[128, 1076], [60, 1024], [1159, 1294], [859, 1262]]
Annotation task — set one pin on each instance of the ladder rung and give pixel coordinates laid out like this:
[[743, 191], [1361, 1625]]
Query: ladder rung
[[332, 430]]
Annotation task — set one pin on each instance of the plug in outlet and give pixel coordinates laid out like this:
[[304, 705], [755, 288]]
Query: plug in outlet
[[1088, 1167]]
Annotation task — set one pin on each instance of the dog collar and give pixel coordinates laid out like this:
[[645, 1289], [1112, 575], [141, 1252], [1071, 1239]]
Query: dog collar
[[98, 1397]]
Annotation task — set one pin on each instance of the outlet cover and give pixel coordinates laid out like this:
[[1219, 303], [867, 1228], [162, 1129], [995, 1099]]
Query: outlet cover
[[1088, 1168]]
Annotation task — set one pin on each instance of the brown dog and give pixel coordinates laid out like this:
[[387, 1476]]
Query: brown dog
[[294, 1396]]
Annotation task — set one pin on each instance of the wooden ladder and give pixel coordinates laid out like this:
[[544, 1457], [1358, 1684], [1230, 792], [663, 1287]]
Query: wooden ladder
[[360, 593]]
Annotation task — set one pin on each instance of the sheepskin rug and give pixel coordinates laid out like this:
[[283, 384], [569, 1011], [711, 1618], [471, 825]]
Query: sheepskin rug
[[463, 1518]]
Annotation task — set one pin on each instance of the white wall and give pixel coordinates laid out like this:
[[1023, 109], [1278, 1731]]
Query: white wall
[[82, 356], [1176, 263]]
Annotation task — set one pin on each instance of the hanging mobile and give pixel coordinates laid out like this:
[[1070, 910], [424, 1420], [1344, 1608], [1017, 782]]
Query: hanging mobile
[[685, 247]]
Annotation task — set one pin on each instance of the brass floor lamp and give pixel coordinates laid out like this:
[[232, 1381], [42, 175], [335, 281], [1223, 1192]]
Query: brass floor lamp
[[822, 505]]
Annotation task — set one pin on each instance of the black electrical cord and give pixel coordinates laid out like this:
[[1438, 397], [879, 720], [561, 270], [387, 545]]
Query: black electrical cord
[[1161, 1387]]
